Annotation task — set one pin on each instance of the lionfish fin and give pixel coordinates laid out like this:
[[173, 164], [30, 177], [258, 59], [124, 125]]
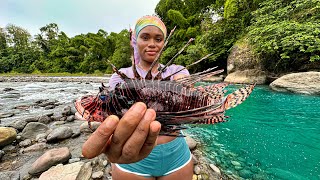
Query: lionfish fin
[[168, 77], [237, 97], [156, 61], [178, 53], [134, 68], [122, 75]]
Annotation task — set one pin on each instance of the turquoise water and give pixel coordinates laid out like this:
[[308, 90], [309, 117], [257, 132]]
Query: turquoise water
[[270, 136]]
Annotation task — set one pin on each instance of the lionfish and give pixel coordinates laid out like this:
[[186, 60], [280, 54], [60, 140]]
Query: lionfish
[[176, 102]]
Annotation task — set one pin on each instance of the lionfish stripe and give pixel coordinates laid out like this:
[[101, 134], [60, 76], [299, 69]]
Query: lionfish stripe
[[237, 97]]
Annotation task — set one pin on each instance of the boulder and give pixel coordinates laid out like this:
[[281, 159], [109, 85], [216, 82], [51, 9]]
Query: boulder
[[303, 83], [7, 135], [32, 129], [247, 76], [50, 158]]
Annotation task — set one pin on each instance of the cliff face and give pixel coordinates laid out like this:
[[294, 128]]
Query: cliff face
[[243, 65]]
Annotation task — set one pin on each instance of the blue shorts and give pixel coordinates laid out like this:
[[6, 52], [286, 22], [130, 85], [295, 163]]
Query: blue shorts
[[163, 160]]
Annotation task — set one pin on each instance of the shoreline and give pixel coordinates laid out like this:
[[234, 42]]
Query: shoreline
[[37, 78]]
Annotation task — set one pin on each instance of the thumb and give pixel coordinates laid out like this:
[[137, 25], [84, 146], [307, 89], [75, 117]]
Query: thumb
[[98, 140]]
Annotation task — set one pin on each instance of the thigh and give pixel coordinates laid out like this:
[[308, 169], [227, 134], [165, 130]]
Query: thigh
[[117, 174], [184, 173]]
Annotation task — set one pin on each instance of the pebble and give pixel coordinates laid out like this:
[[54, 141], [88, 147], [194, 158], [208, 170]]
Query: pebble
[[73, 160], [44, 119], [35, 147], [215, 169], [76, 133], [31, 119], [70, 118], [19, 125], [191, 143], [97, 175], [84, 127], [49, 159], [196, 169], [25, 143], [235, 163], [66, 111], [6, 115]]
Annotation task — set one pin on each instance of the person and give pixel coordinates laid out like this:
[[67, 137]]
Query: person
[[133, 144]]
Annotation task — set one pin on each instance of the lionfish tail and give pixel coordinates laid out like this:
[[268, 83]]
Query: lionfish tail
[[237, 97]]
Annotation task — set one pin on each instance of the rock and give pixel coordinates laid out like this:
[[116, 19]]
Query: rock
[[215, 169], [86, 171], [32, 129], [19, 125], [60, 133], [73, 160], [76, 133], [31, 119], [84, 127], [6, 115], [238, 168], [74, 171], [235, 163], [9, 148], [248, 76], [8, 89], [303, 83], [97, 175], [104, 163], [35, 147], [49, 107], [196, 169], [66, 111], [9, 175], [25, 143], [214, 79], [56, 117], [191, 143], [50, 158], [63, 118], [1, 154], [58, 123], [70, 118], [22, 107], [245, 174], [44, 119], [194, 177], [7, 135], [195, 159], [41, 136]]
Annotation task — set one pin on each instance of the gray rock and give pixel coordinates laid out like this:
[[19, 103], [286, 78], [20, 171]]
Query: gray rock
[[60, 133], [63, 118], [41, 136], [1, 154], [84, 127], [6, 115], [56, 117], [32, 119], [9, 175], [8, 89], [191, 143], [66, 111], [76, 133], [303, 83], [49, 107], [25, 143], [97, 175], [19, 125], [70, 118], [44, 119], [48, 159], [58, 123], [32, 129], [7, 135], [73, 160]]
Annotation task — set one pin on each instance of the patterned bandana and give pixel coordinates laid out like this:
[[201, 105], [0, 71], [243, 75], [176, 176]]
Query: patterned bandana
[[142, 23]]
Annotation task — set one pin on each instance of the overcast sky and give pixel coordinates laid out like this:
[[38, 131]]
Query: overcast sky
[[74, 16]]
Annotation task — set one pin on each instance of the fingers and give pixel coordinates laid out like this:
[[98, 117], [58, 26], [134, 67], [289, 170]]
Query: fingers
[[150, 142], [137, 140], [126, 127], [97, 141]]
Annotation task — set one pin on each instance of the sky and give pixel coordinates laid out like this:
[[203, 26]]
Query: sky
[[74, 16]]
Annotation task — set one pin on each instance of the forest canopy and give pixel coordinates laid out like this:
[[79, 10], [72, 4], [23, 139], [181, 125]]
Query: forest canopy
[[284, 34]]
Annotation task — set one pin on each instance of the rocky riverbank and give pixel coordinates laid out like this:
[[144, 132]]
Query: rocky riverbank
[[41, 138]]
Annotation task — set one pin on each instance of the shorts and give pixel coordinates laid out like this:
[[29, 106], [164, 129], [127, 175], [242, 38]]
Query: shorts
[[163, 160]]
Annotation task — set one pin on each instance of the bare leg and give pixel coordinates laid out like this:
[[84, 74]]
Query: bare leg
[[117, 174], [184, 173]]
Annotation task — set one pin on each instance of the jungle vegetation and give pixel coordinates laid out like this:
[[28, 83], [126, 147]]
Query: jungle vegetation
[[285, 35]]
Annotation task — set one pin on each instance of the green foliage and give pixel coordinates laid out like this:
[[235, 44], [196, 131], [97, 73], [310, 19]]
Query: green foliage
[[286, 34], [230, 8]]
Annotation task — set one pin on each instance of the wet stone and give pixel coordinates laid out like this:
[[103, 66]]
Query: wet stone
[[245, 174], [97, 175], [191, 143], [235, 163], [215, 169]]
